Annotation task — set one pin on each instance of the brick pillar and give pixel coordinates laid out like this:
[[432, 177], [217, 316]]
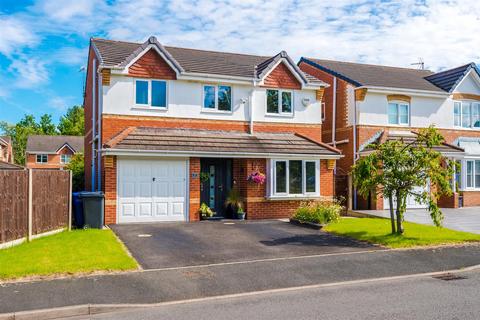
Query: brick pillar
[[110, 188], [326, 179], [194, 189]]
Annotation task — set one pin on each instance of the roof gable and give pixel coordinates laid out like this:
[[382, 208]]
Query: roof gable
[[53, 144], [281, 77], [448, 80], [151, 65]]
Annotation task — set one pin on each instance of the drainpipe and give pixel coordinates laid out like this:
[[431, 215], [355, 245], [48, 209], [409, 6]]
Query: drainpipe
[[355, 155], [334, 116], [99, 117], [93, 168], [250, 111]]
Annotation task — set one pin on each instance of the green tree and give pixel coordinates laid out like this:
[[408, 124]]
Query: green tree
[[73, 122], [395, 169], [78, 172], [25, 127]]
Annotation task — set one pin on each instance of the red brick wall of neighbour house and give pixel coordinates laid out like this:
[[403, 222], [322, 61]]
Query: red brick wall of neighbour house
[[256, 204], [110, 189], [113, 124], [194, 189], [282, 77], [53, 160], [471, 198], [90, 89], [151, 65]]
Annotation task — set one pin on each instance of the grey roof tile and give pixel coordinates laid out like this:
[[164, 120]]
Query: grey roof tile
[[447, 80], [45, 143]]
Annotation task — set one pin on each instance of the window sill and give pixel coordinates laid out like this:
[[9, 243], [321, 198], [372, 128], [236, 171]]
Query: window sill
[[294, 197], [467, 129], [215, 111], [279, 115], [149, 108], [399, 125]]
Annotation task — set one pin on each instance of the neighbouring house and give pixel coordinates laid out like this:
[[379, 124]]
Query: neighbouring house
[[6, 151], [170, 128], [371, 103], [51, 152]]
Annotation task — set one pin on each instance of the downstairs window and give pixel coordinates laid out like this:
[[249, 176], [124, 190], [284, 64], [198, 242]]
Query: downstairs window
[[295, 178]]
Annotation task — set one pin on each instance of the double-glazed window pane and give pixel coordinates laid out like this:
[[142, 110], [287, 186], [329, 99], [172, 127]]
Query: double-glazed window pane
[[141, 92], [310, 176], [403, 113], [477, 173], [224, 98], [457, 113], [392, 113], [159, 94], [281, 177], [295, 177], [209, 97], [272, 101], [286, 102], [65, 158], [469, 174], [476, 115], [466, 116], [42, 158]]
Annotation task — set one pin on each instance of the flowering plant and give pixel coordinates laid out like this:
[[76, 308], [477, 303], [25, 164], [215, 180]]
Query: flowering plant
[[256, 177]]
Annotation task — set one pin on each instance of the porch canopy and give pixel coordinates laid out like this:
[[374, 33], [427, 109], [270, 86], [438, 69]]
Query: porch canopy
[[471, 145], [447, 150], [210, 143]]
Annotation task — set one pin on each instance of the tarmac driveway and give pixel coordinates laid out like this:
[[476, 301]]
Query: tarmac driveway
[[168, 245]]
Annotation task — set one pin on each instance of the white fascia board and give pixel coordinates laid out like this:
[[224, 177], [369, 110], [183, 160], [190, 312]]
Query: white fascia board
[[40, 152], [390, 90], [293, 71], [202, 77], [155, 153]]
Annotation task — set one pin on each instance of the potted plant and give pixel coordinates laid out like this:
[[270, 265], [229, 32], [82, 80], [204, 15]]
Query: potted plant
[[256, 177], [205, 211], [240, 213], [233, 201]]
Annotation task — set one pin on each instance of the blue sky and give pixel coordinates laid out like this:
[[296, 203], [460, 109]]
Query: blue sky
[[44, 43]]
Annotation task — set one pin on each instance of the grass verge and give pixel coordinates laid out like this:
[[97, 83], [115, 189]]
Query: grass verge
[[376, 230], [79, 251]]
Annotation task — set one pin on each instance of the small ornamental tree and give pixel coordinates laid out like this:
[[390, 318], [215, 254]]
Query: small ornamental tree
[[396, 169], [78, 172]]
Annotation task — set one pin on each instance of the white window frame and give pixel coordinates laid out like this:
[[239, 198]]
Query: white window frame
[[398, 103], [280, 112], [215, 110], [149, 95], [41, 156], [304, 194], [464, 174], [65, 155], [461, 102]]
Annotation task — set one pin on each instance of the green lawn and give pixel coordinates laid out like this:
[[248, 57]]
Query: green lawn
[[66, 253], [378, 231]]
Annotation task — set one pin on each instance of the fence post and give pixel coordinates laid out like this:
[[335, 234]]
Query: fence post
[[30, 205], [70, 201]]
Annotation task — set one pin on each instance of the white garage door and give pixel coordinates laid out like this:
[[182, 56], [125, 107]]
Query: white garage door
[[411, 202], [151, 190]]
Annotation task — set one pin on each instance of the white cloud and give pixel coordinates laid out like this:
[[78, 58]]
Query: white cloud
[[60, 103], [14, 35], [29, 72], [67, 9]]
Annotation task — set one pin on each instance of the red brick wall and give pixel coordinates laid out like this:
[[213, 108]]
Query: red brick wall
[[110, 190], [151, 65], [471, 198], [194, 189], [113, 124], [282, 77], [53, 160]]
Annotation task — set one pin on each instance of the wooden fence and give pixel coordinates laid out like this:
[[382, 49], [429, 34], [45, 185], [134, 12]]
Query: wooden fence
[[33, 202]]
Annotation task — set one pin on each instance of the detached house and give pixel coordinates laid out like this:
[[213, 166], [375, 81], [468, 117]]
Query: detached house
[[169, 128], [51, 152], [368, 104]]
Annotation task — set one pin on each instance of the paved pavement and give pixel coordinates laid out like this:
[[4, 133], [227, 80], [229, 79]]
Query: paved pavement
[[420, 298], [153, 286], [162, 245], [462, 219]]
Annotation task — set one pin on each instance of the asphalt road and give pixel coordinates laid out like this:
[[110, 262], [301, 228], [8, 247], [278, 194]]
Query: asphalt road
[[419, 298]]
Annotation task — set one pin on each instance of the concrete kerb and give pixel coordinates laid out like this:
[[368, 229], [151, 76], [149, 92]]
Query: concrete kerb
[[91, 309]]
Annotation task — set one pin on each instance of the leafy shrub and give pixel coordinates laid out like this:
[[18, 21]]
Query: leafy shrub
[[318, 212], [205, 211]]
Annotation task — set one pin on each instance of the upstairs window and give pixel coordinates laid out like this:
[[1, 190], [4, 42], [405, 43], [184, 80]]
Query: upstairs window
[[65, 158], [151, 93], [466, 114], [279, 102], [217, 98], [398, 113], [42, 158]]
